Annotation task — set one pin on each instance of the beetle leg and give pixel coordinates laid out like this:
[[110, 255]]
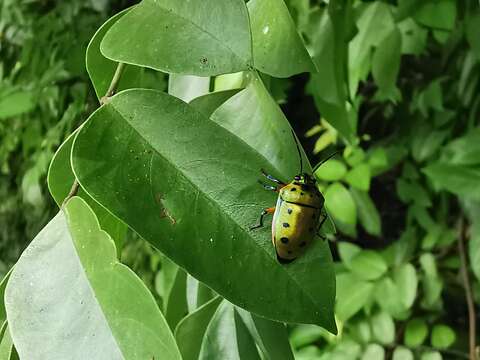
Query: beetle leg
[[320, 227], [269, 187], [265, 212], [271, 178]]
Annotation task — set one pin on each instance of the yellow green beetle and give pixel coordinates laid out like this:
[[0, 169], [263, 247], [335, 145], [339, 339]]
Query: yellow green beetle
[[297, 216]]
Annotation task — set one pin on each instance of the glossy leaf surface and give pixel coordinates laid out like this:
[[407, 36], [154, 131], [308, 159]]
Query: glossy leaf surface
[[164, 168], [200, 37]]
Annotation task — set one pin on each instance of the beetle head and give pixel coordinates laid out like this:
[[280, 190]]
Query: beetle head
[[305, 179]]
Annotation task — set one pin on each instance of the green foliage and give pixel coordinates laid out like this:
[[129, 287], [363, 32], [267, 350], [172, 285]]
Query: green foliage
[[396, 85]]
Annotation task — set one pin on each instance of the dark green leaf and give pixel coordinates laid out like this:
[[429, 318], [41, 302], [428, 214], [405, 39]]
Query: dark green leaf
[[350, 302], [383, 328], [16, 103], [367, 212], [95, 316], [437, 14], [368, 265], [277, 47], [373, 352], [474, 249], [332, 170], [176, 306], [136, 135], [201, 37], [464, 150]]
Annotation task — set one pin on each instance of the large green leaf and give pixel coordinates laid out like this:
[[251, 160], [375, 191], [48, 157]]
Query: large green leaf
[[278, 49], [198, 37], [60, 179], [191, 329], [101, 70], [227, 337], [68, 297], [189, 186]]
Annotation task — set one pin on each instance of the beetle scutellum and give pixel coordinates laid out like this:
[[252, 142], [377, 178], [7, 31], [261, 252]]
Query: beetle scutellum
[[297, 216]]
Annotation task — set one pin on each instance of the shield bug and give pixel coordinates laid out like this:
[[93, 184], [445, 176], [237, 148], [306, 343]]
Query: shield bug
[[297, 216]]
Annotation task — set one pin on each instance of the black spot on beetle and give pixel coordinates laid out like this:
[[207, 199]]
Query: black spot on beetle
[[289, 211], [303, 243], [302, 193], [285, 225], [311, 229], [293, 189], [284, 240], [289, 251]]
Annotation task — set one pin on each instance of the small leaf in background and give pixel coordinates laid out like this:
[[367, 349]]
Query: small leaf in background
[[354, 155], [431, 98], [472, 26], [189, 46], [464, 150], [278, 49], [227, 337], [457, 179], [378, 161], [383, 328], [431, 355], [68, 282], [374, 24], [340, 205], [332, 170], [367, 212], [361, 331], [368, 265], [191, 329], [348, 302], [412, 191], [16, 103], [414, 37], [426, 143], [374, 352], [188, 87], [303, 335], [359, 177], [385, 66], [416, 332], [437, 14], [442, 336], [402, 353], [405, 278], [387, 295], [347, 252]]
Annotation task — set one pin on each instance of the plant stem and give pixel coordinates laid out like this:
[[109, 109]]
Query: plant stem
[[114, 83], [110, 92], [468, 290]]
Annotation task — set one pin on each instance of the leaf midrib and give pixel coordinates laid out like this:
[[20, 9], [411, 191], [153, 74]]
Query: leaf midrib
[[111, 104]]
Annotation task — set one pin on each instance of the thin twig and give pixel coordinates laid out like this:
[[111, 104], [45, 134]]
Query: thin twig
[[110, 92], [113, 84], [468, 290]]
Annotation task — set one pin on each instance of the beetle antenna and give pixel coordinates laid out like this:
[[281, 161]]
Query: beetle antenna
[[324, 161], [298, 150]]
